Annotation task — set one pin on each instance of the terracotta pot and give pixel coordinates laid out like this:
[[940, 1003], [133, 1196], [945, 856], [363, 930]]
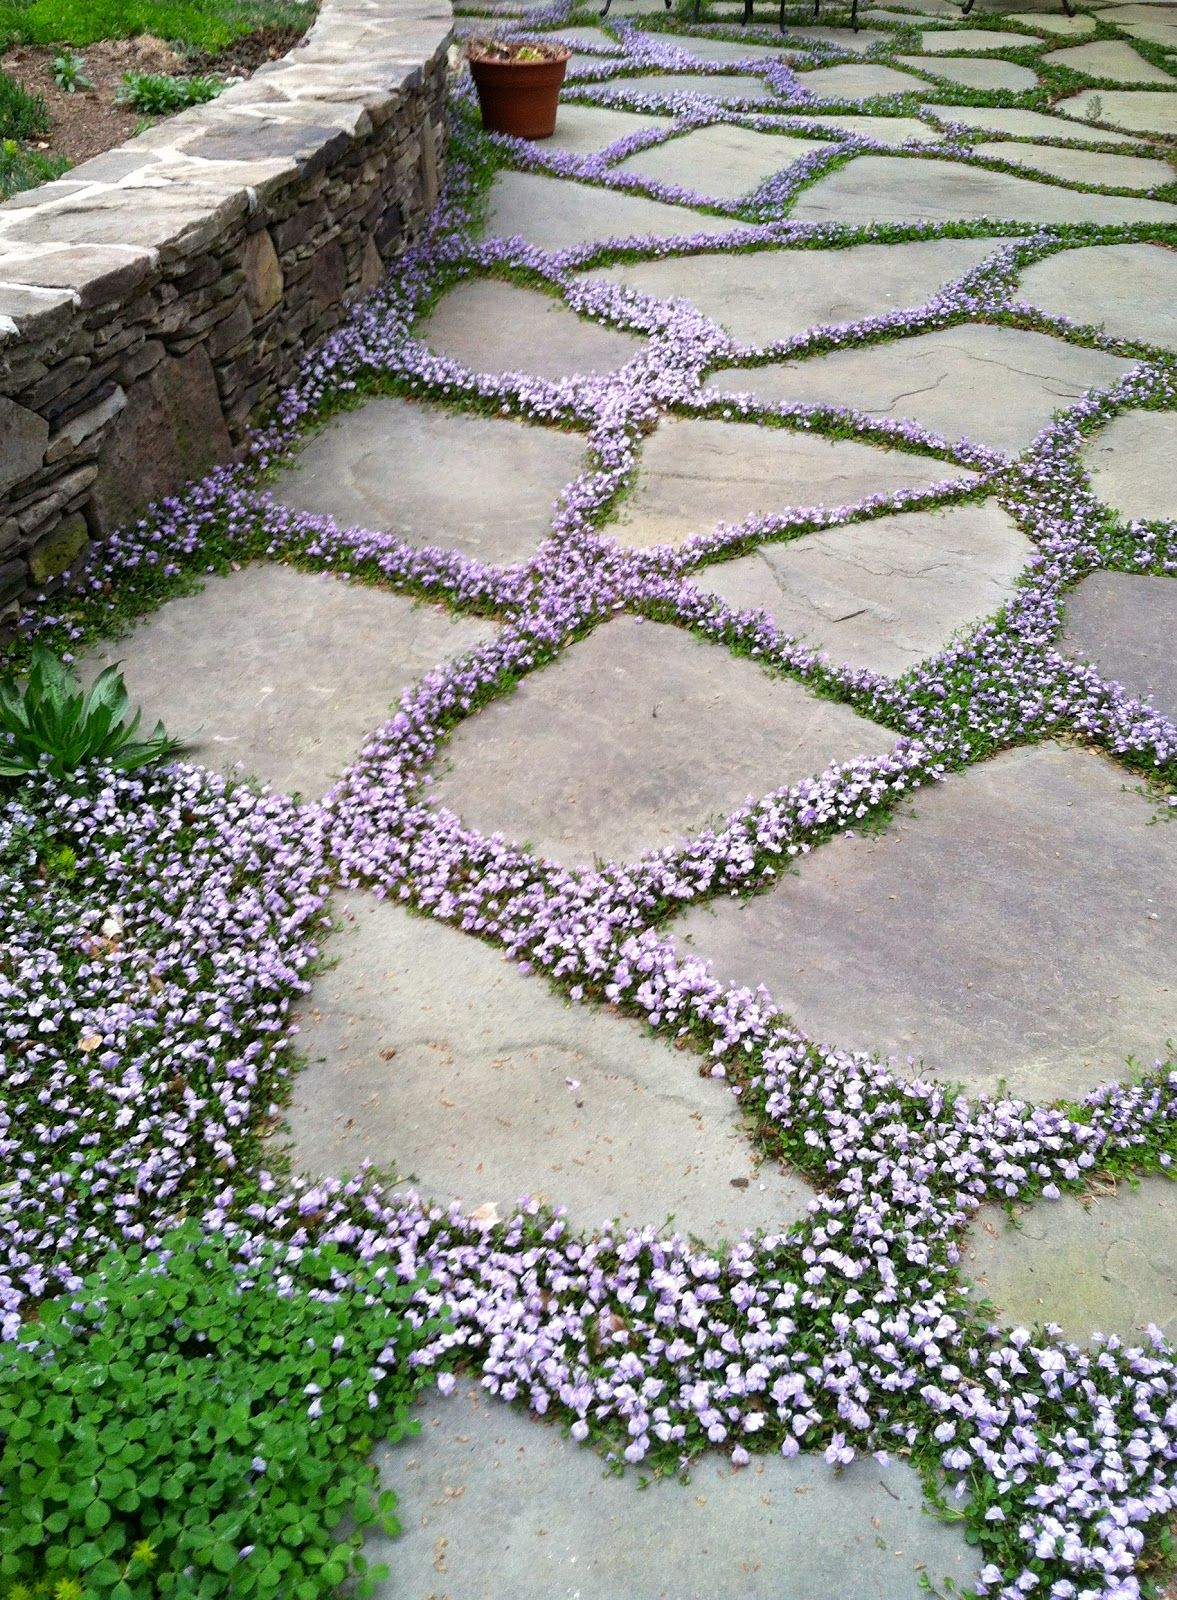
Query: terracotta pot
[[519, 97]]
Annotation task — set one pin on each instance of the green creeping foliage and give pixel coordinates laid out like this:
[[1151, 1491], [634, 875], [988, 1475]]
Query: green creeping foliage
[[55, 726], [196, 24], [156, 94], [25, 169], [157, 1424]]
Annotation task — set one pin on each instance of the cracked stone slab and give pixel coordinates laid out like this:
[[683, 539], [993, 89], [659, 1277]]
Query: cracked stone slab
[[996, 386], [951, 41], [1093, 1264], [518, 1510], [431, 1054], [1125, 623], [1025, 124], [774, 294], [901, 189], [377, 468], [860, 80], [721, 162], [885, 593], [491, 326], [723, 86], [585, 130], [1080, 166], [557, 215], [1142, 110], [1130, 290], [695, 473], [1111, 59], [963, 934], [884, 130], [635, 737], [1131, 464], [285, 672], [974, 73]]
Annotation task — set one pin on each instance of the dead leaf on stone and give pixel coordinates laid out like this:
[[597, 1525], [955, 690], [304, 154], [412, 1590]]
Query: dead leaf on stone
[[439, 1554]]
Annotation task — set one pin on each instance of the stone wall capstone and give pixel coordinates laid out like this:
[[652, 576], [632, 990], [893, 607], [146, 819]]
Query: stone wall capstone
[[156, 298]]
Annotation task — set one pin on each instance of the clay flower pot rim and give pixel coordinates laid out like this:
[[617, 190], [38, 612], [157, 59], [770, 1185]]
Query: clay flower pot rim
[[473, 53]]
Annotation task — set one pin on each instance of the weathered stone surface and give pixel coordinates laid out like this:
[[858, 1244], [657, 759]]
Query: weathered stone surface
[[1131, 464], [634, 737], [58, 549], [884, 130], [1080, 166], [586, 36], [1130, 290], [23, 438], [74, 433], [774, 294], [1099, 1264], [490, 326], [520, 1511], [555, 214], [995, 386], [583, 130], [285, 672], [1111, 59], [263, 273], [1056, 22], [378, 467], [1142, 110], [1126, 623], [695, 473], [431, 1054], [897, 189], [884, 593], [727, 50], [720, 162], [950, 41], [1025, 124], [723, 86], [974, 72], [857, 43], [860, 81], [963, 934], [1155, 23], [170, 431]]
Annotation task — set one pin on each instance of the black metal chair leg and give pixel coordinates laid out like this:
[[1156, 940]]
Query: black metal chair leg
[[748, 11], [782, 17], [605, 11]]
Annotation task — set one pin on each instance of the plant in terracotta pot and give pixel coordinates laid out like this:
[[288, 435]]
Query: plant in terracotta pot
[[518, 85]]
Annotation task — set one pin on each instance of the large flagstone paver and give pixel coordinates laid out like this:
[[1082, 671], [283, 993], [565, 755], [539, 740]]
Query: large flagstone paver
[[774, 294], [704, 49], [585, 36], [377, 467], [491, 326], [556, 214], [856, 43], [996, 386], [510, 1508], [1126, 624], [429, 1052], [884, 130], [721, 86], [1131, 464], [251, 668], [974, 73], [1112, 59], [951, 41], [1103, 167], [860, 81], [635, 737], [584, 130], [1157, 25], [1100, 1264], [1056, 22], [884, 593], [898, 189], [1025, 124], [695, 473], [1130, 290], [720, 162], [1142, 110], [1018, 925]]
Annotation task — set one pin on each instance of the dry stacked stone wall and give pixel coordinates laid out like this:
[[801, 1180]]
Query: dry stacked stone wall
[[157, 297]]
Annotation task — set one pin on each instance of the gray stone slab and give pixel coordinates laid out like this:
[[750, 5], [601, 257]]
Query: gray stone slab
[[996, 386], [1103, 167], [951, 41], [491, 326], [1111, 59], [884, 130], [1142, 110], [721, 162], [557, 215], [900, 189], [974, 72], [710, 86], [1158, 26], [963, 934], [510, 1508], [584, 130], [285, 672], [727, 50], [773, 294], [863, 80], [1126, 623], [635, 737], [1025, 124], [857, 43], [378, 468], [695, 473], [584, 36], [1128, 289], [432, 1055], [1102, 1264], [884, 593], [1131, 464], [1056, 22]]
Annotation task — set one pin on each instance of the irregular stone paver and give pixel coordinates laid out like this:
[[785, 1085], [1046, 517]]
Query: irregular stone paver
[[951, 41], [714, 86], [1142, 110], [428, 1051], [1125, 623], [1025, 124], [860, 81], [995, 386], [881, 594], [634, 737], [897, 189], [884, 130], [377, 468], [583, 130], [1081, 166], [490, 326], [1131, 464], [857, 43], [1128, 289], [978, 73], [1056, 22], [720, 162], [1110, 58], [582, 36], [556, 214], [516, 1510], [694, 473], [1019, 925], [1155, 23], [726, 49], [1094, 1265], [250, 668], [774, 294]]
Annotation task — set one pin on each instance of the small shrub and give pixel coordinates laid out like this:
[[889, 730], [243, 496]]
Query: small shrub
[[156, 95], [69, 71]]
